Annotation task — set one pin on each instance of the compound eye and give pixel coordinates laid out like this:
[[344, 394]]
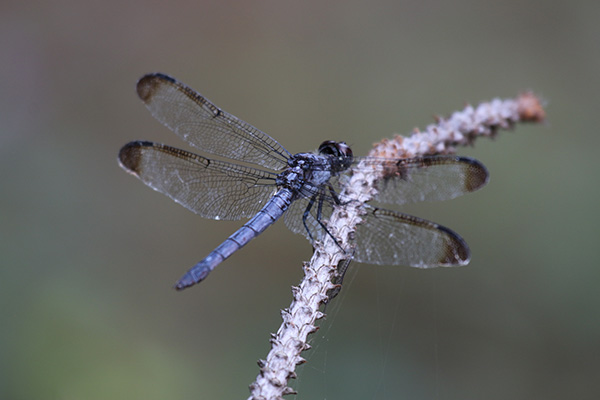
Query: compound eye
[[329, 147], [336, 149], [344, 150]]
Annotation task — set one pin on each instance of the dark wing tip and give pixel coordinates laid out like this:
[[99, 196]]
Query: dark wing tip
[[148, 84], [477, 174], [131, 154], [456, 252]]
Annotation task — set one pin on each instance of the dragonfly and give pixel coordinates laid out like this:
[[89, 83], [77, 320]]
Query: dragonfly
[[263, 181]]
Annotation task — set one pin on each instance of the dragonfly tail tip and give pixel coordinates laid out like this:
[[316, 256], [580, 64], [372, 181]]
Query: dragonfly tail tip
[[191, 278]]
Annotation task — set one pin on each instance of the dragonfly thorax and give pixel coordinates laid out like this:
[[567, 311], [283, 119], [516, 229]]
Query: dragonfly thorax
[[306, 172]]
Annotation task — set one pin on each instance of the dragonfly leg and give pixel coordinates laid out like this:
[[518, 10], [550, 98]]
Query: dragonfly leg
[[309, 207], [307, 213], [319, 215], [334, 195], [338, 279]]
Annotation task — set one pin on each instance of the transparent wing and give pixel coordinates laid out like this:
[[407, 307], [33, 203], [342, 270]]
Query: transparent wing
[[212, 189], [203, 125], [389, 238], [434, 178]]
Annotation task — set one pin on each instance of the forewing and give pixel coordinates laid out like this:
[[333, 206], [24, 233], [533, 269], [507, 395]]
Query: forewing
[[203, 125], [212, 189], [389, 238], [432, 178]]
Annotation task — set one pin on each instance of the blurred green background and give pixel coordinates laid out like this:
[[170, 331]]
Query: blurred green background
[[89, 254]]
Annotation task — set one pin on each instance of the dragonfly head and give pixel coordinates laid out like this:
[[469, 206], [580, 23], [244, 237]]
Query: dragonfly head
[[340, 151]]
